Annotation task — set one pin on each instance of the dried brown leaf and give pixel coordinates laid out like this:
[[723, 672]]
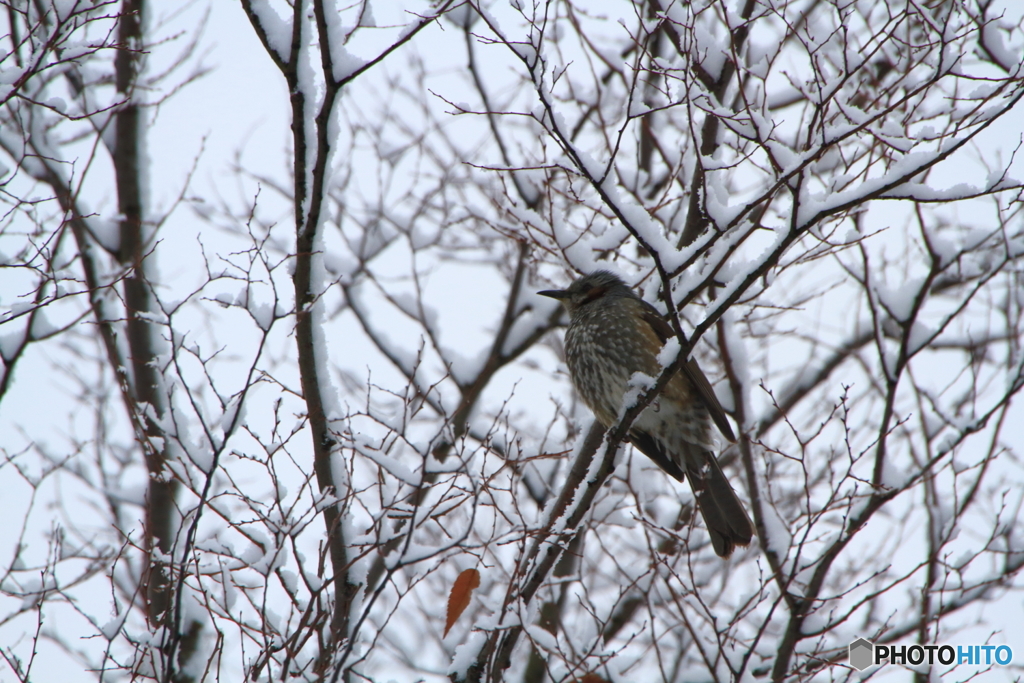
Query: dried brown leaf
[[459, 598]]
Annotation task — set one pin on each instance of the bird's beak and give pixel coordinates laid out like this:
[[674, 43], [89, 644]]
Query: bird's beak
[[555, 293]]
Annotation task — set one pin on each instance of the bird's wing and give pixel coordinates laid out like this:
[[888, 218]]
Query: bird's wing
[[691, 370], [655, 450]]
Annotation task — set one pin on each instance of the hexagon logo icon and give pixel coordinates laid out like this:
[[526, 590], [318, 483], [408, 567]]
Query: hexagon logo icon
[[861, 654]]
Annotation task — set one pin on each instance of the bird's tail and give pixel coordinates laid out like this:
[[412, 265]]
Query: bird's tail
[[723, 513]]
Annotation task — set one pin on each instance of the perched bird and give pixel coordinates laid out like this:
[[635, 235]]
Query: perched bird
[[612, 334]]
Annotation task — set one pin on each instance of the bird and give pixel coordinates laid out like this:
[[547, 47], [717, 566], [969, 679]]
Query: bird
[[612, 334]]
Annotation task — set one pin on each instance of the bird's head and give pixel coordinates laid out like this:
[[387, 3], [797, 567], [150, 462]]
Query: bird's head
[[589, 289]]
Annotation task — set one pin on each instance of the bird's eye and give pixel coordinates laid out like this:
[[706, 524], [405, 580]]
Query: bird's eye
[[591, 293]]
